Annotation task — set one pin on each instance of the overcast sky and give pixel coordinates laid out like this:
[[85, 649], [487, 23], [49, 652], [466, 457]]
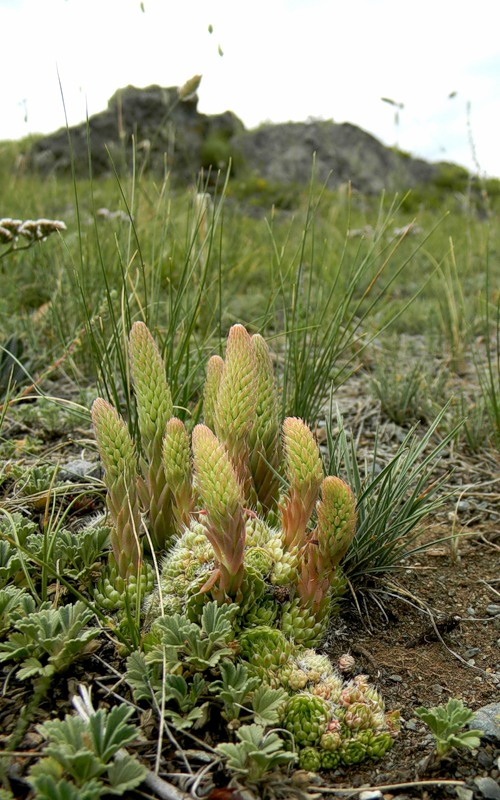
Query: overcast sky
[[268, 60]]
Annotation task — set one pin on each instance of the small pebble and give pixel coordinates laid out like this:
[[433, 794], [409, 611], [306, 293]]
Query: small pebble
[[487, 719], [493, 609], [485, 759], [471, 652], [395, 678], [488, 788], [371, 794], [463, 794]]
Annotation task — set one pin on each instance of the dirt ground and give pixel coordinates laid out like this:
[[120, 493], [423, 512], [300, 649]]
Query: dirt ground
[[437, 643], [435, 632]]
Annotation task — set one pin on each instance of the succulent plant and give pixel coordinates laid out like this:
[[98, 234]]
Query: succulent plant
[[304, 473], [114, 592], [177, 467], [331, 741], [358, 717], [221, 494], [330, 759], [303, 625], [154, 410], [228, 480], [266, 649], [306, 717], [119, 459], [328, 543], [253, 534], [310, 759], [378, 745], [234, 409], [353, 751], [310, 670], [265, 434]]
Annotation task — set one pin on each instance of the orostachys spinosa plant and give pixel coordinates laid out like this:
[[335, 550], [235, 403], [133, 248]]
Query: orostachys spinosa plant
[[241, 511], [238, 513]]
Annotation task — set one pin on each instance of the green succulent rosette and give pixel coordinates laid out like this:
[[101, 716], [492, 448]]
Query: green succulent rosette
[[310, 759], [331, 741], [379, 744], [353, 751], [255, 603], [315, 672], [259, 559], [301, 624], [306, 717], [184, 570], [114, 593], [329, 759], [266, 649], [257, 531], [316, 665], [358, 716], [264, 613], [285, 562], [296, 679]]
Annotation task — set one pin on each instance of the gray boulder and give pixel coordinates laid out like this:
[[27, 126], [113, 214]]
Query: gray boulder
[[165, 129], [343, 153]]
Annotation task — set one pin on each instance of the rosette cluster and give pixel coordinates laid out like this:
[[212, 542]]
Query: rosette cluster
[[239, 511], [334, 722]]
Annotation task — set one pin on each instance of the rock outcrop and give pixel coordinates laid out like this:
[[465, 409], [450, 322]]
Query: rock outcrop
[[169, 133], [164, 130], [342, 152]]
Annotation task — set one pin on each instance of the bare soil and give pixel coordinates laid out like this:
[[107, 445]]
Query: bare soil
[[437, 643], [429, 633]]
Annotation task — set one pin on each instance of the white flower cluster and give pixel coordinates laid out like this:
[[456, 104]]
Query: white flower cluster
[[34, 230]]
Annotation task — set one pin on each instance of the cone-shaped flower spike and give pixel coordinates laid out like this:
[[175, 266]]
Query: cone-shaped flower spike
[[334, 532], [117, 452], [336, 524], [265, 439], [154, 406], [154, 400], [177, 465], [304, 470], [236, 402], [222, 499]]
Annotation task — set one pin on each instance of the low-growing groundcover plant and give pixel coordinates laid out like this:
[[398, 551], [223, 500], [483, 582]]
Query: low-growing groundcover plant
[[447, 725], [224, 570]]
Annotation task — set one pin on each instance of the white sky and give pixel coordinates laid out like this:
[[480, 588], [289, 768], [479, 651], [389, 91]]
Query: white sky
[[282, 60]]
